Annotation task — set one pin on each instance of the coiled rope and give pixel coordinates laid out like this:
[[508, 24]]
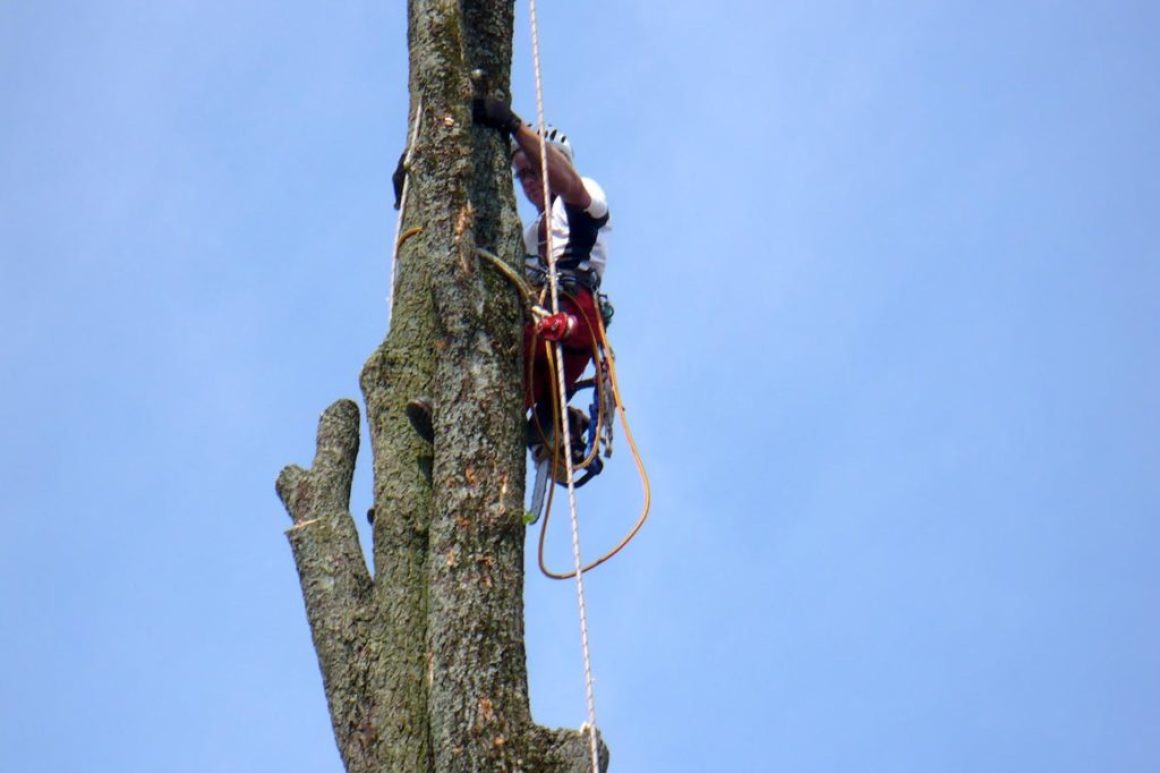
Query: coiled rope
[[607, 361]]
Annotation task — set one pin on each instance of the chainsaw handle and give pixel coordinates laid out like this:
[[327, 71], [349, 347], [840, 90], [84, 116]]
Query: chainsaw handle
[[590, 472]]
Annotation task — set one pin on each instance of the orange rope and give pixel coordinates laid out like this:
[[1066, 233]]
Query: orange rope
[[609, 361]]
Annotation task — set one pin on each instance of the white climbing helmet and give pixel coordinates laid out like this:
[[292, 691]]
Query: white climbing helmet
[[559, 140]]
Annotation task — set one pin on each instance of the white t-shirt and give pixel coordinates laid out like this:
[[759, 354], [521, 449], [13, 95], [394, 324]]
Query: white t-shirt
[[579, 236]]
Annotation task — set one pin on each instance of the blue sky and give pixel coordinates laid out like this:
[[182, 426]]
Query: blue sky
[[886, 279]]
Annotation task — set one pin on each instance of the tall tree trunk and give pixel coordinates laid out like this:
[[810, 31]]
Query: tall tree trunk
[[423, 664]]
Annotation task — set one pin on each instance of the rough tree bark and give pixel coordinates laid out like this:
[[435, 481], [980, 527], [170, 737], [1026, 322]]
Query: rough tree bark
[[423, 664]]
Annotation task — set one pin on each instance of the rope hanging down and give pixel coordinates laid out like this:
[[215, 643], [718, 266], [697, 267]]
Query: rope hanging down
[[591, 698]]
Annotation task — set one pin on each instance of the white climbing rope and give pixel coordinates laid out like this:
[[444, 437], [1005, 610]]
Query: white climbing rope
[[403, 207], [565, 429]]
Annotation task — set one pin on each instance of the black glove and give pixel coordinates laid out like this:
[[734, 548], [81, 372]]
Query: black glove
[[492, 112]]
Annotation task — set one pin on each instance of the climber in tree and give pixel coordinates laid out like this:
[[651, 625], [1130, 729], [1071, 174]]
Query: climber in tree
[[579, 223]]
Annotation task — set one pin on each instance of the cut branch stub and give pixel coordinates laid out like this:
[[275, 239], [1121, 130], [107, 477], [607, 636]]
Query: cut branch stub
[[325, 488], [336, 584]]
